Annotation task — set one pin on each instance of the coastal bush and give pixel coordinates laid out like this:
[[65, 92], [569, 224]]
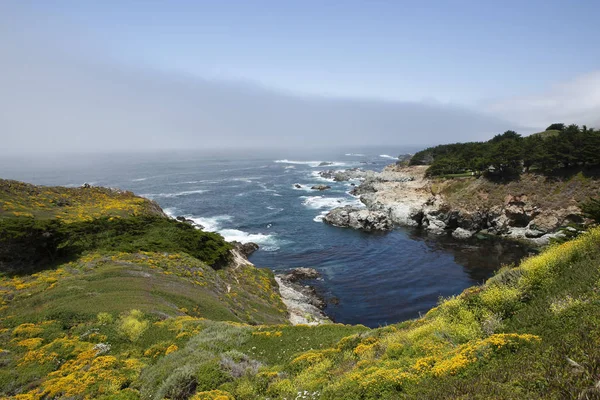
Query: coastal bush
[[132, 325], [27, 244]]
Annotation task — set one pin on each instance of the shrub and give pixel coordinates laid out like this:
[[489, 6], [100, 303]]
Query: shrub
[[132, 325], [105, 318]]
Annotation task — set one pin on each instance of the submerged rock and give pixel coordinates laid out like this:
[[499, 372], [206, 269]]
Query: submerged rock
[[321, 187]]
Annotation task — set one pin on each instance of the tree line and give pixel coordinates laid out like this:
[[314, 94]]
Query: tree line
[[509, 154]]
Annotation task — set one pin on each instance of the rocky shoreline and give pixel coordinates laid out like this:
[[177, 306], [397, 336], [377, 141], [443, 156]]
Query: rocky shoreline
[[404, 196], [302, 301]]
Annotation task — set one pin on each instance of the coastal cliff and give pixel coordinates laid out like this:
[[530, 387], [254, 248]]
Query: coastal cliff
[[533, 208]]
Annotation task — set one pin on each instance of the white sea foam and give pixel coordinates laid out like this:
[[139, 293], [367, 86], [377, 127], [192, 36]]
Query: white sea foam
[[152, 196], [315, 175], [319, 218], [387, 156], [214, 224], [289, 167], [303, 187], [171, 211], [266, 242], [355, 154], [322, 202], [312, 164], [211, 224], [266, 189], [139, 179]]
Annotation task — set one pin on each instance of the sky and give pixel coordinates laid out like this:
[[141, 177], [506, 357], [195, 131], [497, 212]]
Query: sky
[[115, 75]]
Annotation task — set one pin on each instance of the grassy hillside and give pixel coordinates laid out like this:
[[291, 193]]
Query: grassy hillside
[[546, 192], [137, 323], [70, 204]]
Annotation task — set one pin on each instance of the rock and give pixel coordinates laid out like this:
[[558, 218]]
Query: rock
[[531, 232], [325, 163], [321, 187], [435, 225], [546, 222], [101, 348], [367, 186], [86, 186], [327, 174], [303, 304], [246, 249], [358, 218], [298, 186], [189, 222], [301, 273], [460, 233]]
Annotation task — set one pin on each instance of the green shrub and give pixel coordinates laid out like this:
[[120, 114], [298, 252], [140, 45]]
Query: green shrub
[[27, 244], [132, 325]]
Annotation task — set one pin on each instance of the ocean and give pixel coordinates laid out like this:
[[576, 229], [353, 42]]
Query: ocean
[[372, 279]]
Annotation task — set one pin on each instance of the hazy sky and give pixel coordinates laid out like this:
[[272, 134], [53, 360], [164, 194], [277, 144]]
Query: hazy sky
[[188, 74]]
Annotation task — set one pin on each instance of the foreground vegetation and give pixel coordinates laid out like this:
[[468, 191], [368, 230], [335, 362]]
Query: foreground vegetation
[[558, 148], [126, 313]]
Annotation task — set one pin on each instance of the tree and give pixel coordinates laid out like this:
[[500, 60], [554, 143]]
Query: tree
[[591, 209], [506, 157], [508, 135], [556, 127], [533, 151]]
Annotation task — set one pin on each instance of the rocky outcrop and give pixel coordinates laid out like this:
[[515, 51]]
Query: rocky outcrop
[[403, 196], [321, 187], [359, 218], [189, 222], [246, 249], [302, 301]]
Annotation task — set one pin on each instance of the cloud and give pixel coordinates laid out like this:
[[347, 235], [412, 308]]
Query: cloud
[[575, 101], [60, 93]]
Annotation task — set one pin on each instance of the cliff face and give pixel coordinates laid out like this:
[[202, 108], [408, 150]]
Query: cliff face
[[533, 208]]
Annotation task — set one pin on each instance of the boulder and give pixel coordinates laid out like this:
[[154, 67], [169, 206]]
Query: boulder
[[435, 225], [460, 233], [359, 218], [325, 163], [298, 186]]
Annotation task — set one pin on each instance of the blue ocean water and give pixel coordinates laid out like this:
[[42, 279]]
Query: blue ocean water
[[375, 278]]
